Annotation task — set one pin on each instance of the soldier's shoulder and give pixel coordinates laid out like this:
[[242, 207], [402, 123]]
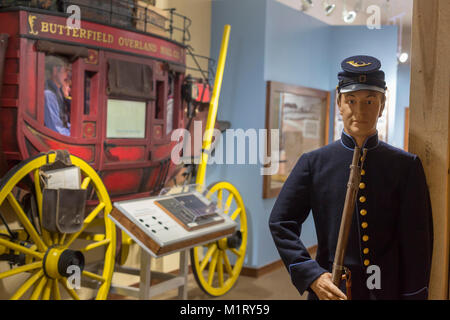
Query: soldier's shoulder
[[325, 150], [396, 153]]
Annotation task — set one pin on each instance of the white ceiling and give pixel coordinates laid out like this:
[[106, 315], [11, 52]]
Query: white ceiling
[[388, 10], [397, 12]]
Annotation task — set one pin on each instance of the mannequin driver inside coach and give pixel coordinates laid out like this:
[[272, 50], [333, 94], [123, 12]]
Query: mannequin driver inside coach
[[391, 230]]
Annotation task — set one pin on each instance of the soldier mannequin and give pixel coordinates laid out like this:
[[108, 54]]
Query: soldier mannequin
[[391, 226], [360, 111]]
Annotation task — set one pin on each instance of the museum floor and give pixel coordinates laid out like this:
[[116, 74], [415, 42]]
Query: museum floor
[[275, 285]]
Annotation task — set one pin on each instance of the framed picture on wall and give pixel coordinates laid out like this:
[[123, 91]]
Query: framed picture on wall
[[382, 124], [301, 116]]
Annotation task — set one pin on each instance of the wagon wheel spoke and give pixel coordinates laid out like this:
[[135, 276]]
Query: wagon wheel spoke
[[227, 264], [212, 267], [236, 252], [96, 245], [228, 203], [17, 270], [85, 183], [38, 290], [62, 238], [55, 237], [47, 290], [212, 249], [236, 213], [27, 284], [39, 199], [26, 222], [93, 276], [55, 290], [219, 198], [16, 247], [91, 236], [86, 223], [71, 291], [220, 268]]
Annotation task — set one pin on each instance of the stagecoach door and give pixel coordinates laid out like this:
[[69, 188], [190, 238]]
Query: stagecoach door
[[138, 109]]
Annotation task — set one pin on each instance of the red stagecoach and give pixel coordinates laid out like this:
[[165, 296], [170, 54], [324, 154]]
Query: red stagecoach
[[124, 91]]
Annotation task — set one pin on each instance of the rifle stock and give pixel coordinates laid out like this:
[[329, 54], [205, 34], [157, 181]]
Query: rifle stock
[[347, 214]]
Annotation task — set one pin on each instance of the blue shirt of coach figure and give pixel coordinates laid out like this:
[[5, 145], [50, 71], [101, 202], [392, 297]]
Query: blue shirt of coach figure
[[392, 223]]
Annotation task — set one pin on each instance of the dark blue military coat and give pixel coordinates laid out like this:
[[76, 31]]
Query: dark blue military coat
[[391, 227]]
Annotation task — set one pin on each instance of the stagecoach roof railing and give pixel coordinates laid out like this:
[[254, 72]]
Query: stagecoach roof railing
[[124, 14], [207, 75], [120, 13]]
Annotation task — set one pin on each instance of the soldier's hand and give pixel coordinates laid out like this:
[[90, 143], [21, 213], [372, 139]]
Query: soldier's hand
[[325, 289]]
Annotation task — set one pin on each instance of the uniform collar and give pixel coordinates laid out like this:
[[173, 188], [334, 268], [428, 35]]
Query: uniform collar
[[348, 142]]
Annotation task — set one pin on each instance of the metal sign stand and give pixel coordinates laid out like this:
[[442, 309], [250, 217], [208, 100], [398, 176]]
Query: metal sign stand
[[155, 224], [145, 290]]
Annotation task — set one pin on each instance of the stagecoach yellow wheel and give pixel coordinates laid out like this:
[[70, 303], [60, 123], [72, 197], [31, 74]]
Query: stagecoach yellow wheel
[[51, 262], [217, 266]]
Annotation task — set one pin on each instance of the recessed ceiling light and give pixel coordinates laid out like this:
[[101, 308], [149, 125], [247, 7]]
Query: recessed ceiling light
[[403, 57], [306, 4], [349, 16], [329, 8]]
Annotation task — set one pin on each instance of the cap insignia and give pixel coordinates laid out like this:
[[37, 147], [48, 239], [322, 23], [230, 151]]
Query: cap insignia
[[359, 64]]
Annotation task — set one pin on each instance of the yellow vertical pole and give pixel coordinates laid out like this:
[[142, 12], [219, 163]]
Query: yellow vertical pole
[[213, 105]]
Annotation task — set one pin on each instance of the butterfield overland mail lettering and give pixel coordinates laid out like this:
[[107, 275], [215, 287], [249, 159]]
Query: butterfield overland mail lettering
[[96, 35]]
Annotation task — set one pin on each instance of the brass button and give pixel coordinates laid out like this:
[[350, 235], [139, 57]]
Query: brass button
[[366, 262], [362, 199], [362, 185], [363, 172], [365, 238], [363, 212], [366, 250], [364, 225]]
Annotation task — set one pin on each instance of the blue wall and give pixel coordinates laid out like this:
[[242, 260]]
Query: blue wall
[[297, 48], [403, 86], [297, 51], [270, 41], [242, 101]]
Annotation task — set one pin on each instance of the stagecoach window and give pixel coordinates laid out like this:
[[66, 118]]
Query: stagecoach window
[[129, 79], [57, 94], [125, 119]]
